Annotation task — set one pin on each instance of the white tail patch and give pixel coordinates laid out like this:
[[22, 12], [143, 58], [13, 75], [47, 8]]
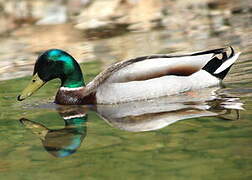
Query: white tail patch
[[227, 63]]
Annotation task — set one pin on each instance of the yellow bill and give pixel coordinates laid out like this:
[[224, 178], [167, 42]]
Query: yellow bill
[[32, 87]]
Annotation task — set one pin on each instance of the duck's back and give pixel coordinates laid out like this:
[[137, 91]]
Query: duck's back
[[158, 75], [145, 68]]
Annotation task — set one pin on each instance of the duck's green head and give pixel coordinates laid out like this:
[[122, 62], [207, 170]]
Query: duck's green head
[[54, 63]]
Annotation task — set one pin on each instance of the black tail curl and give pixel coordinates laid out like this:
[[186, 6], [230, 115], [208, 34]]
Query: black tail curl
[[215, 63]]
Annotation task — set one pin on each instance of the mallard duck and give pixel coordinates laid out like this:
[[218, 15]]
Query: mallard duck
[[136, 79]]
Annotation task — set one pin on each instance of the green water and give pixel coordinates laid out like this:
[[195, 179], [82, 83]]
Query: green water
[[196, 148], [211, 146]]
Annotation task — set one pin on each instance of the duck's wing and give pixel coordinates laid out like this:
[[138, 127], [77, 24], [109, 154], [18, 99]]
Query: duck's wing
[[154, 66]]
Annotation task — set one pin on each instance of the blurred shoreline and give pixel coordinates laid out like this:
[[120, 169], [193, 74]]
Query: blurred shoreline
[[114, 30]]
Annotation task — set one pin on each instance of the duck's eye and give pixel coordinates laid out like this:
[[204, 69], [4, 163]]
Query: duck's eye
[[50, 62], [33, 80]]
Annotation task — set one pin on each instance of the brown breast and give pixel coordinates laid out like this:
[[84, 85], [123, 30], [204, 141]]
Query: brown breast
[[77, 97]]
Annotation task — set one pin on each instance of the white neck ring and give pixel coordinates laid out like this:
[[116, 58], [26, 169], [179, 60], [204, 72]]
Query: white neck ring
[[70, 89]]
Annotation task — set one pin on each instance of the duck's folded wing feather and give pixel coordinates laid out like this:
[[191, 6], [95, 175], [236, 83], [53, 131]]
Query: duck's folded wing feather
[[148, 67]]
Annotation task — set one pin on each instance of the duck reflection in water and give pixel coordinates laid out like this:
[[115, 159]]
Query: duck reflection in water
[[134, 117], [62, 142], [159, 113]]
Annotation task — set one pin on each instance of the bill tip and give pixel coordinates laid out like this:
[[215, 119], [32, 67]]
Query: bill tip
[[19, 98]]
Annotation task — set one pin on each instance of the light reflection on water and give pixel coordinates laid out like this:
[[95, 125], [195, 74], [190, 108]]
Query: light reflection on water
[[205, 146]]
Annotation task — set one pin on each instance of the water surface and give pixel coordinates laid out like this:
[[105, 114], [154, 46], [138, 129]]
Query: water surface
[[206, 144]]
